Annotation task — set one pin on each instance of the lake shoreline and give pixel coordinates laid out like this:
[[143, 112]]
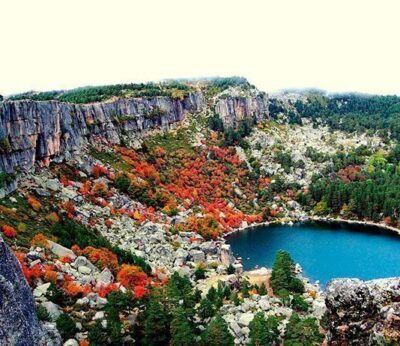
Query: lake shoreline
[[318, 219]]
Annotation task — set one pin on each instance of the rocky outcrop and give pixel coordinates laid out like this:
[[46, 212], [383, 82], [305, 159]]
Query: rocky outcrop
[[363, 313], [233, 109], [39, 131], [18, 320]]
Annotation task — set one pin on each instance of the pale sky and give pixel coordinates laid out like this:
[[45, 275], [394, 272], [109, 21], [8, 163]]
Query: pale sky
[[338, 45]]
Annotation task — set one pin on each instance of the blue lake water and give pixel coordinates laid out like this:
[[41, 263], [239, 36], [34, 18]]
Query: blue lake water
[[324, 250]]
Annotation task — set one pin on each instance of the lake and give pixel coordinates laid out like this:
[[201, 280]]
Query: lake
[[324, 250]]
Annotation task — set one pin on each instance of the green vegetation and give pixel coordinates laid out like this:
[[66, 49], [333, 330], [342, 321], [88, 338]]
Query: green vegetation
[[217, 333], [263, 331], [100, 93], [282, 277], [353, 112], [42, 313], [304, 332], [371, 193], [66, 326], [70, 232], [6, 178]]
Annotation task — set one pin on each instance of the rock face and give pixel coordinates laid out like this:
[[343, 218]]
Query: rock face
[[40, 131], [18, 320], [363, 313], [233, 109]]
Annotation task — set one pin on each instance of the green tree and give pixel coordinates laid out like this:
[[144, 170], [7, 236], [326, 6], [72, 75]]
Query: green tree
[[302, 332], [182, 331], [66, 326], [263, 332], [217, 333], [155, 326]]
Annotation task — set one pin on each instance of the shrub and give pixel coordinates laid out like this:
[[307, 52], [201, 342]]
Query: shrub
[[122, 183], [39, 240], [66, 326], [42, 313], [299, 304], [131, 276], [200, 273], [9, 231]]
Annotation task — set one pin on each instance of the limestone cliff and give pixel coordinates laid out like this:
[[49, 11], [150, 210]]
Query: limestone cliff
[[363, 312], [39, 131], [233, 109]]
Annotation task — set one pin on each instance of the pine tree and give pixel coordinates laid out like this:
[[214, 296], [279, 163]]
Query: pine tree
[[263, 332], [217, 333], [182, 333], [155, 326]]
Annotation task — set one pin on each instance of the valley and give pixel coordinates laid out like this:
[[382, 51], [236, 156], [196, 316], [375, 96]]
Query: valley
[[116, 202]]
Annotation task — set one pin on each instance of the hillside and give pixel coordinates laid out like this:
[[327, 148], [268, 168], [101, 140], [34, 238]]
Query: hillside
[[116, 200]]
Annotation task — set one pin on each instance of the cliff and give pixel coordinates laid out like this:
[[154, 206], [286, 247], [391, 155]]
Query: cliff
[[233, 109], [37, 131], [363, 312], [40, 131], [18, 320]]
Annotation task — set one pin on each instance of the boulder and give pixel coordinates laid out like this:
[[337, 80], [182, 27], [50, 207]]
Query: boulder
[[60, 250], [53, 310]]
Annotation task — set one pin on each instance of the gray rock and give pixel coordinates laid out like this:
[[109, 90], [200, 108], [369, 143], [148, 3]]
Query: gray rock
[[41, 290], [71, 342], [105, 276], [53, 310], [197, 256], [245, 319], [18, 319], [60, 250], [53, 184]]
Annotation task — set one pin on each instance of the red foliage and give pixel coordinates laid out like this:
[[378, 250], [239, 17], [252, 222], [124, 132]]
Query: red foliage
[[105, 290], [9, 231], [131, 276], [69, 207], [98, 171], [101, 257], [139, 292]]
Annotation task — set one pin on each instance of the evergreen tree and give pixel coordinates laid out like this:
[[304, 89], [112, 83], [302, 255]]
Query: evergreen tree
[[263, 332], [155, 326], [217, 333], [303, 332], [182, 332]]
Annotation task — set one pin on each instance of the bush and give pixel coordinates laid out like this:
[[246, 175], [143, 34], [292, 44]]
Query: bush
[[299, 304], [122, 183], [199, 273], [42, 313], [66, 326]]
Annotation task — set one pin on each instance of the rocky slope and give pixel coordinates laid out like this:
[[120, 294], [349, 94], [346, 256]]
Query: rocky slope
[[363, 312]]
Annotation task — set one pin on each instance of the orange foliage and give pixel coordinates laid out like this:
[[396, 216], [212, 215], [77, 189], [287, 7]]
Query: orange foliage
[[131, 276], [52, 217], [69, 207], [100, 189], [39, 240], [101, 257], [9, 231], [84, 343], [50, 275], [105, 290], [34, 203]]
